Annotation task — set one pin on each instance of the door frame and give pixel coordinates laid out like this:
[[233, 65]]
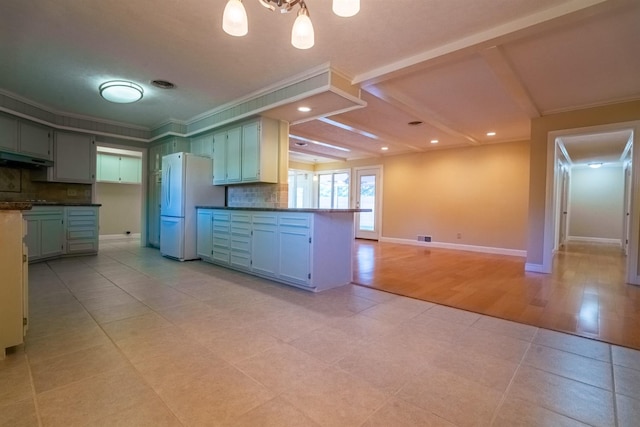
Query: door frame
[[551, 206], [379, 197]]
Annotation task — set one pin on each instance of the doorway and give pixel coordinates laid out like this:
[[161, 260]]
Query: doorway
[[558, 226], [368, 195]]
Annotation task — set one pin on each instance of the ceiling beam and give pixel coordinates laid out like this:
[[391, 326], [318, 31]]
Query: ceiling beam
[[499, 64], [409, 106], [308, 137], [562, 13], [314, 154], [351, 126]]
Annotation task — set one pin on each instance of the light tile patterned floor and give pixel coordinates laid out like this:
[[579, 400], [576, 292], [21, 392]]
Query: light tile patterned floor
[[128, 338]]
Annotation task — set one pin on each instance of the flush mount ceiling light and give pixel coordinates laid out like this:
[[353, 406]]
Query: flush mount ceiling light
[[235, 22], [491, 134], [595, 165], [434, 141], [121, 91], [304, 109]]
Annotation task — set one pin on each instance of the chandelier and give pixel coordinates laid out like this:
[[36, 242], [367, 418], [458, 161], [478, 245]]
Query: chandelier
[[235, 23]]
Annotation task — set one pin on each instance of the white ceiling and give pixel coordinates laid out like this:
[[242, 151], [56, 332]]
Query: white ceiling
[[462, 67]]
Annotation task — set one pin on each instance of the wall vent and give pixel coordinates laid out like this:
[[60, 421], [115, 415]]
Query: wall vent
[[423, 238]]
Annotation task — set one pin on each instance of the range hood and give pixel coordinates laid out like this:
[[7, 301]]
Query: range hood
[[23, 160]]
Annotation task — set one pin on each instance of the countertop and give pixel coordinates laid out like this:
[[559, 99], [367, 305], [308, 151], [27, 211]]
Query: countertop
[[306, 210], [26, 205], [15, 206]]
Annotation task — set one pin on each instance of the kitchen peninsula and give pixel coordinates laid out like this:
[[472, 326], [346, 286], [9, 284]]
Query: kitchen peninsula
[[308, 248]]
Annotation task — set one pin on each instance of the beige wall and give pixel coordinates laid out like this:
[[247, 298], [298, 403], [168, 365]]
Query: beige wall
[[596, 203], [540, 128], [479, 192], [120, 211]]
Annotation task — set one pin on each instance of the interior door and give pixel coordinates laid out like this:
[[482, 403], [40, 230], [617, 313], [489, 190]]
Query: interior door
[[368, 196]]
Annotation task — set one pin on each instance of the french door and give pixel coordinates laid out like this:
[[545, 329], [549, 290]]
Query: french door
[[368, 195]]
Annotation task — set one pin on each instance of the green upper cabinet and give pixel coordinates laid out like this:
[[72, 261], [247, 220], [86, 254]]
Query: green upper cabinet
[[35, 140], [247, 152], [119, 169], [8, 134]]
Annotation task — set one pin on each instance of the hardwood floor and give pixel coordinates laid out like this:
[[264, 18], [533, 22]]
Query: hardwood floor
[[585, 295]]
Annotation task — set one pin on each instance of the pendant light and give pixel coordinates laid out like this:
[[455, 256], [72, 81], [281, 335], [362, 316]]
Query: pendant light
[[235, 23], [302, 35], [346, 8], [234, 19]]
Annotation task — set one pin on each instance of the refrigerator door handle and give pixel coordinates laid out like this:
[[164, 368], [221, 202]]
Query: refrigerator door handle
[[167, 195]]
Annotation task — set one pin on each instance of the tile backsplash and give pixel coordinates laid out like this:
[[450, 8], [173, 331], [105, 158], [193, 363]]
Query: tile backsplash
[[16, 185], [258, 196]]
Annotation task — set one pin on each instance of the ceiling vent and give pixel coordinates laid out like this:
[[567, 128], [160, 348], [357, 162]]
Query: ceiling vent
[[163, 84]]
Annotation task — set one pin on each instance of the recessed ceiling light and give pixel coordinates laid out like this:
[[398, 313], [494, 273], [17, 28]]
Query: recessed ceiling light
[[491, 134], [595, 165], [322, 144], [121, 91], [304, 109], [415, 123], [301, 143], [434, 141], [384, 148]]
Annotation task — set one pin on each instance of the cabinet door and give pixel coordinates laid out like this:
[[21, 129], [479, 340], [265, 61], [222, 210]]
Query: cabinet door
[[8, 133], [74, 159], [108, 168], [34, 140], [234, 154], [264, 245], [130, 170], [220, 158], [251, 152], [204, 233], [32, 239], [294, 248], [51, 235], [202, 145]]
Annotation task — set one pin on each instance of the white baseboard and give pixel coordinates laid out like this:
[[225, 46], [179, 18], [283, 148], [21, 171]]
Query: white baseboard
[[534, 268], [455, 246], [119, 236], [595, 240]]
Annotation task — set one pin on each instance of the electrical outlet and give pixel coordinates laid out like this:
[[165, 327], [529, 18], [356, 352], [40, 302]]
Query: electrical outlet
[[71, 192]]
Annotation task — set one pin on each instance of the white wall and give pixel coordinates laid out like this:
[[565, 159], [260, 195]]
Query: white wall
[[596, 203], [121, 205]]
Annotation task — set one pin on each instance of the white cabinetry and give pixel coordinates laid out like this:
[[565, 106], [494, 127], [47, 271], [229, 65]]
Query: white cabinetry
[[74, 158], [304, 249], [45, 232], [294, 248], [153, 208], [264, 243], [8, 133], [25, 138], [247, 153], [204, 224], [35, 140], [81, 229], [53, 231], [14, 299], [118, 169]]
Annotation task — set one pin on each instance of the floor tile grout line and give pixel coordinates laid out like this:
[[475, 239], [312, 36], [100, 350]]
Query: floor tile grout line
[[33, 391], [613, 386]]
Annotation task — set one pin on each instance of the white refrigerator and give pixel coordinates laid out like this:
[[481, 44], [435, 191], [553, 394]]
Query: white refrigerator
[[186, 183]]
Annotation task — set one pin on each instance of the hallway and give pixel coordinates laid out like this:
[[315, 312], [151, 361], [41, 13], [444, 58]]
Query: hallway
[[586, 294]]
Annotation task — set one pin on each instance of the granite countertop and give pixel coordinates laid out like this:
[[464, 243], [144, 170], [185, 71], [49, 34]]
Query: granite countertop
[[15, 206], [308, 210], [26, 205]]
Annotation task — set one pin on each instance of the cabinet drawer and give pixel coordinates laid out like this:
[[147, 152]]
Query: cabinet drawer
[[265, 219], [241, 217], [221, 241], [240, 244], [82, 246], [220, 216], [82, 234], [288, 220], [241, 260], [81, 212], [81, 222], [220, 255]]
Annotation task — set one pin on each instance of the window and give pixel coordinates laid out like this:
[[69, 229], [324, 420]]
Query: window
[[299, 189], [333, 190]]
